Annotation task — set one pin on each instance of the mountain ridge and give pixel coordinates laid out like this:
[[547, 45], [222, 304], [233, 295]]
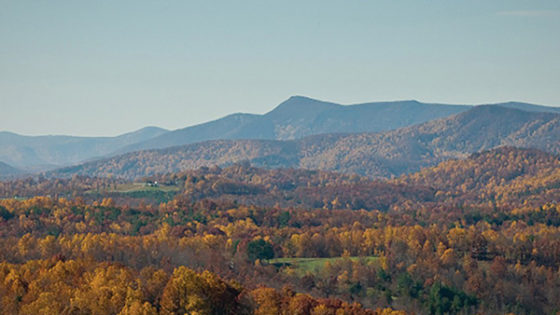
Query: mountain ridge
[[301, 116], [43, 152], [295, 118], [384, 154]]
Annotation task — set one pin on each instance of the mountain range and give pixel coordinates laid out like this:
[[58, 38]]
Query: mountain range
[[38, 153], [376, 139], [300, 116], [382, 154]]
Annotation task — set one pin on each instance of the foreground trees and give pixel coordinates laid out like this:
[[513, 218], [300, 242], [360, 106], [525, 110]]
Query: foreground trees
[[84, 287], [89, 250]]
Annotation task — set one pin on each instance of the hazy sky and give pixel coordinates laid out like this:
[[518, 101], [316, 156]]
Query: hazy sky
[[107, 67]]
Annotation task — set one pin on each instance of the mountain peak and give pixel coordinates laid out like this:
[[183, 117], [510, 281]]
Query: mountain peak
[[303, 100], [300, 97], [143, 133], [301, 106]]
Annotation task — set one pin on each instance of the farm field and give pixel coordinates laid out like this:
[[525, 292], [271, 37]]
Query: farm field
[[303, 266]]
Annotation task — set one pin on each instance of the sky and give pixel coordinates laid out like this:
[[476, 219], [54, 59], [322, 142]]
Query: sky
[[101, 68]]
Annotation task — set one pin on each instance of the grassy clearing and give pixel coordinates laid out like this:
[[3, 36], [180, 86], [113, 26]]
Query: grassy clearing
[[135, 187], [138, 187], [157, 194], [302, 266]]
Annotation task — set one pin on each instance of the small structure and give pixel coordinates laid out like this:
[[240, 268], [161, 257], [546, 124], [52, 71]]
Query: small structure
[[152, 184]]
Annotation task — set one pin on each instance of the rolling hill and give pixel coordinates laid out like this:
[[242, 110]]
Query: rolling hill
[[295, 118], [505, 175], [8, 171], [299, 116], [33, 153], [384, 154]]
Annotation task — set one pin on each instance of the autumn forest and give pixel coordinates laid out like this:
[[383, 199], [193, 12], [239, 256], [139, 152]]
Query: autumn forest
[[280, 157], [479, 235]]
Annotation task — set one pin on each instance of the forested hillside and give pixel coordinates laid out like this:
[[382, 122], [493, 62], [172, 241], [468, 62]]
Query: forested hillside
[[384, 154], [295, 118], [506, 175], [299, 116]]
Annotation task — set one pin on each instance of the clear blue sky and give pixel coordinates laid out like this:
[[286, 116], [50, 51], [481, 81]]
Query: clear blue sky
[[107, 67]]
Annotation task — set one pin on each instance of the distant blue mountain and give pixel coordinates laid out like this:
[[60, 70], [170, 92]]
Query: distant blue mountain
[[300, 116], [35, 153], [530, 107], [7, 171], [386, 154], [295, 118]]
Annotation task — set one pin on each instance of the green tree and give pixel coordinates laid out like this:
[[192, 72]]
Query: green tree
[[5, 214], [259, 249]]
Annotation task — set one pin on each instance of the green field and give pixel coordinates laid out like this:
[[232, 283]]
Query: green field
[[302, 266], [135, 187], [158, 194]]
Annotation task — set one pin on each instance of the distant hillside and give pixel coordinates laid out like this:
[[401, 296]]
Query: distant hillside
[[8, 171], [383, 154], [244, 184], [505, 175], [299, 117], [530, 107], [295, 118], [47, 152]]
